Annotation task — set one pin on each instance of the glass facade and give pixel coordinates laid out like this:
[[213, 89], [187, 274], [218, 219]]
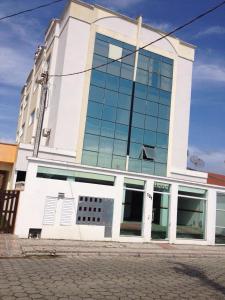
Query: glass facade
[[126, 117]]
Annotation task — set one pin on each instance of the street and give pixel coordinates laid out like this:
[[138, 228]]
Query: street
[[95, 277]]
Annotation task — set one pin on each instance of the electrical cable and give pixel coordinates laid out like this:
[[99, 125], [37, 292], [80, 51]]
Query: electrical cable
[[157, 40], [30, 9]]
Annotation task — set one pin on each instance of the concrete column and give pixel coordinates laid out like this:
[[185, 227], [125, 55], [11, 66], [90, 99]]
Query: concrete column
[[173, 213], [117, 207], [210, 217], [147, 210]]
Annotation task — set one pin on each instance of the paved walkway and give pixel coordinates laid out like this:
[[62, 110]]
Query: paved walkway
[[10, 246]]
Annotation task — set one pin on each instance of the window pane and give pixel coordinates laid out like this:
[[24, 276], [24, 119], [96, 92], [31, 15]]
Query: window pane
[[104, 160], [138, 120], [140, 90], [89, 158], [107, 129], [163, 126], [96, 94], [123, 116], [93, 126], [165, 97], [137, 135], [119, 162], [153, 94], [111, 98], [143, 62], [127, 71], [114, 68], [126, 86], [154, 80], [162, 140], [106, 145], [91, 142], [112, 82], [139, 105], [220, 201], [154, 66], [220, 218], [120, 147], [129, 59], [142, 76], [124, 101], [121, 132], [152, 108], [149, 138], [160, 169], [151, 123], [109, 113], [166, 70], [135, 150], [148, 167], [98, 78], [95, 109], [166, 83], [161, 155], [164, 111], [101, 48], [98, 61], [134, 165]]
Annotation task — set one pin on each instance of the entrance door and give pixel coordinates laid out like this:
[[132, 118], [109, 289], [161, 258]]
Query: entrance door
[[160, 211]]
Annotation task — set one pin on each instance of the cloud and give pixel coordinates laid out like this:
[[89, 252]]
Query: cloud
[[7, 140], [213, 30], [166, 27], [209, 72], [119, 4], [214, 161]]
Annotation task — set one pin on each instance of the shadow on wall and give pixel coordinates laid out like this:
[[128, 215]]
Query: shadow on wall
[[200, 275]]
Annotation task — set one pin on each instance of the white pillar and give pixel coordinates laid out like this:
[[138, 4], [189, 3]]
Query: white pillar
[[173, 213], [117, 211], [147, 210], [210, 217]]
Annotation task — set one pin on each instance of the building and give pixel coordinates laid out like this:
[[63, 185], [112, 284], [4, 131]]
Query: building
[[112, 162]]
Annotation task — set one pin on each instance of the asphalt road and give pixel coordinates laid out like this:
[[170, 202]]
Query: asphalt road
[[96, 277]]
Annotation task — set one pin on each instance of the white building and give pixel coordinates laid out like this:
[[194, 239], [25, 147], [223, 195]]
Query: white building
[[112, 163]]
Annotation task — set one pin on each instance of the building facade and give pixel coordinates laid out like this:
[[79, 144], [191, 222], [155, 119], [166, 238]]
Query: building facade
[[112, 163]]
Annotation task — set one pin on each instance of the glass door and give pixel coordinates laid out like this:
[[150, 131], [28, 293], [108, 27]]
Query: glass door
[[160, 211]]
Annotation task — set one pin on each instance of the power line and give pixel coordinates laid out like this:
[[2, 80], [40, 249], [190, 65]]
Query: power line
[[30, 9], [157, 40]]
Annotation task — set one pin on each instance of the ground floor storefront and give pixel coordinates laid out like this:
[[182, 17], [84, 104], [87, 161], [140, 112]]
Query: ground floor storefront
[[64, 201]]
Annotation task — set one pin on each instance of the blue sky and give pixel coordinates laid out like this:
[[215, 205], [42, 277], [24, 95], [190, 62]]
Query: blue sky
[[20, 36]]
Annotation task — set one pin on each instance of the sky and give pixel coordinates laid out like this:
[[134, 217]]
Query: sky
[[21, 35]]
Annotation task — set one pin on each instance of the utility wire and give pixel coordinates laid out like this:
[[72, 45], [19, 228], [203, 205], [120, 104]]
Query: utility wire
[[157, 40], [30, 9]]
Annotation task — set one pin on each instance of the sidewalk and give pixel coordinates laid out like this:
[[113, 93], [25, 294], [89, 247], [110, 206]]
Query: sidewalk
[[10, 246]]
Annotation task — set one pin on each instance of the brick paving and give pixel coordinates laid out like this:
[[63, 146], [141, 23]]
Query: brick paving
[[108, 277]]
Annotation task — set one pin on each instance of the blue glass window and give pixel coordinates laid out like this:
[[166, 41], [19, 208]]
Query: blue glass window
[[167, 60], [107, 129], [162, 140], [109, 113], [89, 158], [112, 82], [114, 68], [127, 71], [140, 90], [137, 135], [118, 162], [123, 116], [143, 62], [154, 66], [166, 70], [166, 83], [129, 59], [139, 105], [160, 169], [165, 97], [120, 147], [134, 165], [156, 56], [135, 150], [142, 76], [96, 94], [148, 167], [149, 138], [98, 78], [106, 145], [151, 123], [126, 86], [163, 126], [153, 94], [152, 108], [121, 132], [93, 126], [124, 101], [111, 98], [91, 142], [104, 160], [102, 37], [154, 80], [164, 111], [138, 120], [101, 48], [161, 155], [95, 109], [98, 61]]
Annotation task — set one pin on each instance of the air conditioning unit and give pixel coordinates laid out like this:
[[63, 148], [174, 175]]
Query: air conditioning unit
[[46, 132]]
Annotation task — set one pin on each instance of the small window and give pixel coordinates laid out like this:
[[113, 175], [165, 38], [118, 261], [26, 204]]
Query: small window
[[31, 119], [115, 52], [148, 152]]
